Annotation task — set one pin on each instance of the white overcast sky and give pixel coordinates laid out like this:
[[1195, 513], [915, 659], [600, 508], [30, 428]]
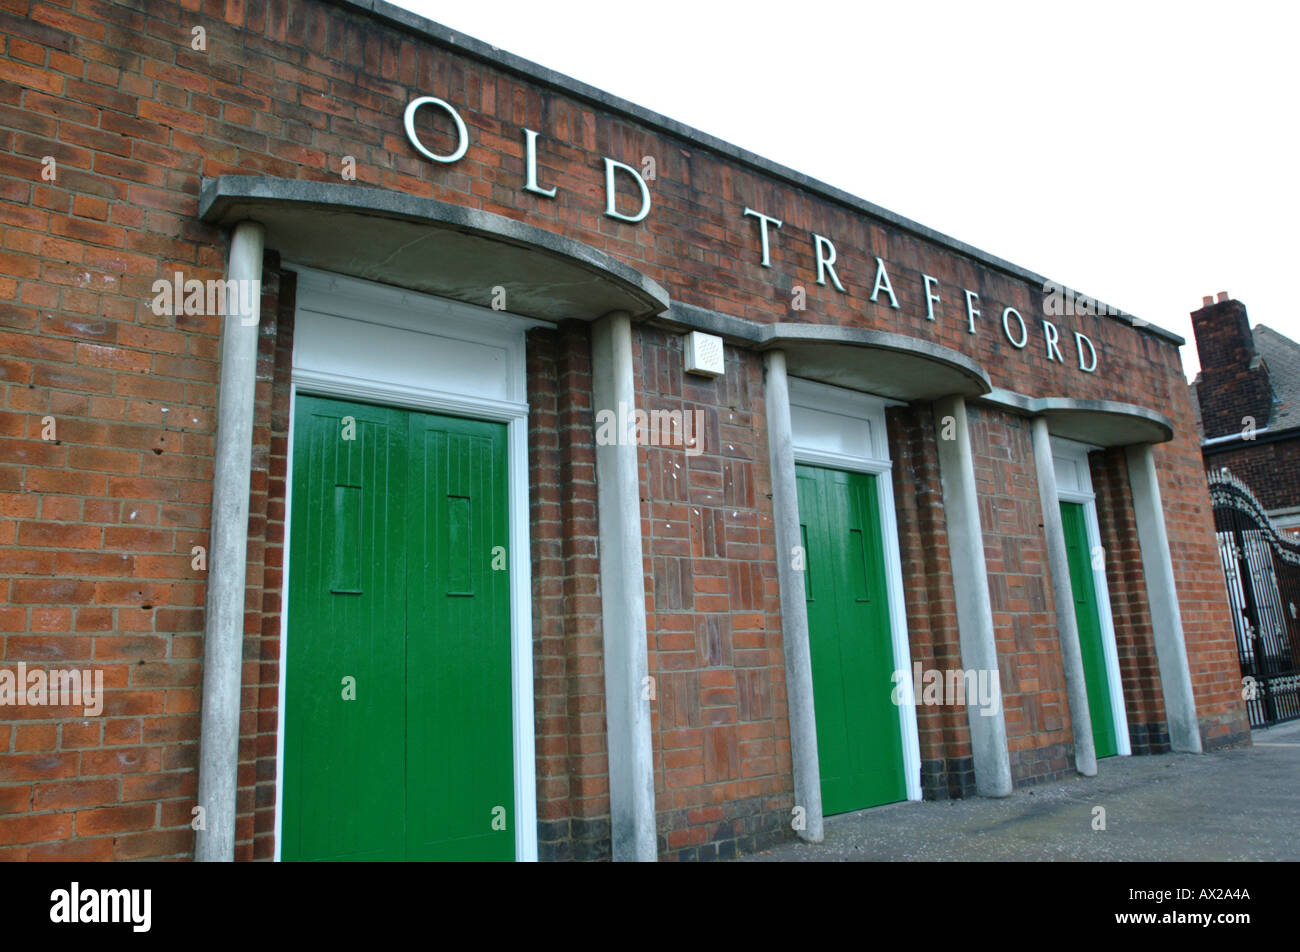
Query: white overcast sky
[[1142, 153]]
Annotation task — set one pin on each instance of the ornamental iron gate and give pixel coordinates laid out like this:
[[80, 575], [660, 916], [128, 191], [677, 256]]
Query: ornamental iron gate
[[1262, 569]]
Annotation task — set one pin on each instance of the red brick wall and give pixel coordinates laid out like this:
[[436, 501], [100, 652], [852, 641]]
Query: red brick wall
[[721, 745], [1270, 469], [96, 528], [1207, 625], [719, 723], [943, 731], [1024, 612], [569, 680]]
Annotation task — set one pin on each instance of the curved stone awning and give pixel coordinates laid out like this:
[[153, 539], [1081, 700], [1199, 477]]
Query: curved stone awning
[[879, 362], [1104, 422], [465, 254], [431, 246], [1099, 422]]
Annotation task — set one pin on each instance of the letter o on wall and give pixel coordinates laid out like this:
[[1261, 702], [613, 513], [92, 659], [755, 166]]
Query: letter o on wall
[[461, 133], [1006, 328]]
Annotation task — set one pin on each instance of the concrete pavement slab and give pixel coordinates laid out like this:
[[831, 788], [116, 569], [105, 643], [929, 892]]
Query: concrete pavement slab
[[1230, 805]]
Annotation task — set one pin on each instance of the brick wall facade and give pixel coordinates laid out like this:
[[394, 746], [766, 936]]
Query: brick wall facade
[[718, 722], [1271, 469], [98, 526], [947, 764], [1031, 671], [1211, 654], [569, 687]]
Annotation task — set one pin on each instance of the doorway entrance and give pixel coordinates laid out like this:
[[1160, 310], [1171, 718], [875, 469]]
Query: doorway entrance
[[1091, 597], [859, 738], [1088, 620], [398, 740]]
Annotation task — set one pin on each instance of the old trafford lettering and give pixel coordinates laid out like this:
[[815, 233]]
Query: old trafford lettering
[[1054, 343]]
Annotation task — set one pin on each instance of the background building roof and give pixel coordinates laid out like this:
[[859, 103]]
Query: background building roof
[[1282, 355]]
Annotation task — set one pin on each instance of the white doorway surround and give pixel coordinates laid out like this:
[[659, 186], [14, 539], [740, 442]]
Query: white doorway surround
[[845, 429], [1074, 484], [375, 343]]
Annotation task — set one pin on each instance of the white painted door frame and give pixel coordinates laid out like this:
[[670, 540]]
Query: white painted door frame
[[1074, 484], [370, 342], [845, 429]]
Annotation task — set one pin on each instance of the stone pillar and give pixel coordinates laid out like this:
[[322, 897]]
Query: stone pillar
[[988, 731], [223, 633], [622, 593], [794, 607], [1162, 597]]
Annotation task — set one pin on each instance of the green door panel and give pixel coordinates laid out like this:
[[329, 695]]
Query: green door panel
[[1088, 618], [398, 739], [343, 759], [859, 737], [460, 736]]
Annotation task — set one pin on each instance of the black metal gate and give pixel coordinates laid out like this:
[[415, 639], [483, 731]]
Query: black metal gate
[[1262, 570]]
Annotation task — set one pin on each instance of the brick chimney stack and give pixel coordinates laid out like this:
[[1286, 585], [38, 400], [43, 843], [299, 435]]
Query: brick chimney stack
[[1234, 381]]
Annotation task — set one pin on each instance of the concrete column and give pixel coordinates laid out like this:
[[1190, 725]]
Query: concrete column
[[1162, 597], [794, 606], [622, 591], [223, 633], [988, 731], [1058, 561]]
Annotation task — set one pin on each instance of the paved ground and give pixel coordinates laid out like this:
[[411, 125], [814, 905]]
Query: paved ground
[[1239, 804]]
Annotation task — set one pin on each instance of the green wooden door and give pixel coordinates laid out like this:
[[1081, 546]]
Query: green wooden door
[[398, 738], [859, 738], [1088, 619]]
